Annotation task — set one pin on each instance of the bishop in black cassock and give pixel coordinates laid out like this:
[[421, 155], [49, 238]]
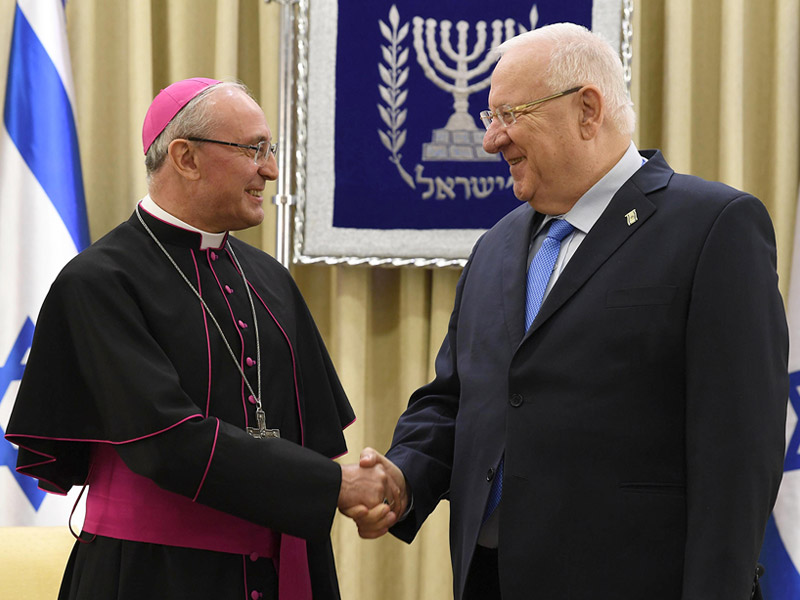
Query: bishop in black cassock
[[150, 363]]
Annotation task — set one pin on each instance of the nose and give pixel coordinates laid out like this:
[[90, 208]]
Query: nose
[[269, 170], [495, 138]]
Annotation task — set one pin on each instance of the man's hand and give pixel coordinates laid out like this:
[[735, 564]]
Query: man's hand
[[369, 493], [374, 520]]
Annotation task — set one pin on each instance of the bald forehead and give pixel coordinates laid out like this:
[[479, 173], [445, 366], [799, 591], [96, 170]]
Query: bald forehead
[[520, 72], [224, 96], [531, 58], [235, 111]]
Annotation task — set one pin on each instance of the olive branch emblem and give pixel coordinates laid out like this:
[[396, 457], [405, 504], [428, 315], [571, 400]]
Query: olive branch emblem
[[394, 76]]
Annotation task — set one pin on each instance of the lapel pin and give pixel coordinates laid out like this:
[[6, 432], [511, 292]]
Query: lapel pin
[[631, 217]]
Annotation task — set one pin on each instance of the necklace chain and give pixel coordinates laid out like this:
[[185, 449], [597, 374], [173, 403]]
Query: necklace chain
[[214, 319]]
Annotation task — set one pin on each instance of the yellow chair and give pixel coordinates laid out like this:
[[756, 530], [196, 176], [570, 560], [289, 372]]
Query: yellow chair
[[32, 561]]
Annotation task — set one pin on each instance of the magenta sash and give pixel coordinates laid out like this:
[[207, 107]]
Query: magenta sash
[[123, 505]]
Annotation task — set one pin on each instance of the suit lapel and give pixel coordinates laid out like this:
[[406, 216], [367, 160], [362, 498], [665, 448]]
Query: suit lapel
[[608, 234], [515, 258]]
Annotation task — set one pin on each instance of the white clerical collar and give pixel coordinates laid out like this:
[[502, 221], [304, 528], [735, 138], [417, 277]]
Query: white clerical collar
[[209, 240]]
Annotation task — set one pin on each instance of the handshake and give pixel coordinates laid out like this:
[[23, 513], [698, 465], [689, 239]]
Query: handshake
[[373, 493]]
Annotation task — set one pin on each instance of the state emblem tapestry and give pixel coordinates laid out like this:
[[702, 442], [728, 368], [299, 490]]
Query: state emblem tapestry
[[395, 171]]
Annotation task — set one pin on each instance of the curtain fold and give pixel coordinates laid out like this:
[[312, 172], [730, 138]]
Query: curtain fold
[[715, 84], [716, 87]]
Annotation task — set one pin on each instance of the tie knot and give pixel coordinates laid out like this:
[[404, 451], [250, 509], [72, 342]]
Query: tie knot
[[559, 229]]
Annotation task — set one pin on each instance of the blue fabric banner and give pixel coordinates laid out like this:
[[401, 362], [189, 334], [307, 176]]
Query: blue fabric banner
[[395, 170], [411, 78]]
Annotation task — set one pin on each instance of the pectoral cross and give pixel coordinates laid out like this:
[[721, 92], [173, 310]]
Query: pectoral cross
[[261, 432]]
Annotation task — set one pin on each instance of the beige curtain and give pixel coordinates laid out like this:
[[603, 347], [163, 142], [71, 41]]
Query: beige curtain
[[715, 83], [716, 88]]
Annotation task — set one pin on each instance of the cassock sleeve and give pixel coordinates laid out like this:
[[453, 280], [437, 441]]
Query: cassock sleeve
[[96, 374], [274, 482]]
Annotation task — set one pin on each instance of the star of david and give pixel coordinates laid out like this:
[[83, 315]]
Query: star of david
[[792, 461], [11, 371]]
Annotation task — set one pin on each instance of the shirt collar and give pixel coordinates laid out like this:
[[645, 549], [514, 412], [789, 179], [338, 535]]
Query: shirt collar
[[587, 210], [208, 240]]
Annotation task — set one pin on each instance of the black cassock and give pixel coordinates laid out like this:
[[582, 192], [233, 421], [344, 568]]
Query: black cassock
[[124, 354]]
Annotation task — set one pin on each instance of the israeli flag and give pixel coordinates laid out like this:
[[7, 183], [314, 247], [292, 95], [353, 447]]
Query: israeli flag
[[42, 220], [781, 551]]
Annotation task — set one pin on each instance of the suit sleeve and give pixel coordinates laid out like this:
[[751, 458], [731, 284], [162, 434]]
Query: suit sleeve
[[423, 442], [736, 394]]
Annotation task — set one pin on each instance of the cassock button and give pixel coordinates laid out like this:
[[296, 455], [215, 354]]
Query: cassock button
[[242, 324], [515, 400], [253, 555], [490, 474], [252, 400], [250, 362], [214, 256], [255, 595], [229, 289]]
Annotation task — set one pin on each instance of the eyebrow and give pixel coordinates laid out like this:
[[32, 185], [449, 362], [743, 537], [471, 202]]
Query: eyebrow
[[260, 138]]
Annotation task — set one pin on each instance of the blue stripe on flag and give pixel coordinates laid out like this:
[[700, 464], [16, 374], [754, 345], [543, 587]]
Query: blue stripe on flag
[[792, 461], [39, 119], [10, 371], [29, 486], [781, 580]]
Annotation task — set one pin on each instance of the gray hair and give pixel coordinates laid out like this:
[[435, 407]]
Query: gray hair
[[580, 57], [193, 120]]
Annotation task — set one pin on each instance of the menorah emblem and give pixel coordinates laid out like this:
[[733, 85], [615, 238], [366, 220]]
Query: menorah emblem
[[460, 139]]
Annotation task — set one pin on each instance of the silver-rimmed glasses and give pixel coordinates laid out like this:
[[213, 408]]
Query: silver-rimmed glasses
[[507, 115], [263, 149]]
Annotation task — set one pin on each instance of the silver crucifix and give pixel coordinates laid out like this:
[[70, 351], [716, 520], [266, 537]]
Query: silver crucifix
[[261, 432]]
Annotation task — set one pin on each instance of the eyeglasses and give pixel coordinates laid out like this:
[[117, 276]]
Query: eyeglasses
[[263, 149], [507, 115]]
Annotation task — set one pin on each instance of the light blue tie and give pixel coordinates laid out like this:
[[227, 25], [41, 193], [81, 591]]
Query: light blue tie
[[542, 267], [539, 274]]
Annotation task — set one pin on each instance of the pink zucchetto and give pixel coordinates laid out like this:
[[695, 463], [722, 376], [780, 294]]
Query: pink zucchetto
[[167, 104]]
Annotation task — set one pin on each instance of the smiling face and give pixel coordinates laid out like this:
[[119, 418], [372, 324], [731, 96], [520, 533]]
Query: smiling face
[[543, 148], [231, 184]]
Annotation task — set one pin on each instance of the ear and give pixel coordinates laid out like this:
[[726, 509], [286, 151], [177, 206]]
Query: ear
[[182, 156], [592, 113]]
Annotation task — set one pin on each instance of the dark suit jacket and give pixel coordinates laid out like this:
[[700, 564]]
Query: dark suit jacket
[[642, 415]]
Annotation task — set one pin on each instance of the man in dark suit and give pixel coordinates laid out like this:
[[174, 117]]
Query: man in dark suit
[[634, 431]]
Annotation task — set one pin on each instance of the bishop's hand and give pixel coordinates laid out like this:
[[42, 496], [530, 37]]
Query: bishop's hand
[[374, 518]]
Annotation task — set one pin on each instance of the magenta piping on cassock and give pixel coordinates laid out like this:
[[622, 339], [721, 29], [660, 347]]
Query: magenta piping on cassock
[[13, 437], [294, 365], [208, 340], [346, 451], [241, 339], [208, 465], [61, 491]]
